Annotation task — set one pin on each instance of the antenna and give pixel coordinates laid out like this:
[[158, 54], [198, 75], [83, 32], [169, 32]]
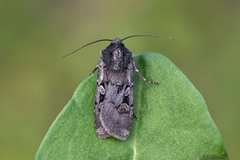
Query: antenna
[[86, 45], [146, 36], [111, 40]]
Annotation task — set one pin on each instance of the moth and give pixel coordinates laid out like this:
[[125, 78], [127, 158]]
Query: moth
[[113, 108]]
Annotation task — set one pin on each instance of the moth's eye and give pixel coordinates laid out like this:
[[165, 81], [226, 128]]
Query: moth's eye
[[122, 45]]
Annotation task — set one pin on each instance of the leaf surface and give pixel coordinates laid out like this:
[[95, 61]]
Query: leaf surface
[[174, 122]]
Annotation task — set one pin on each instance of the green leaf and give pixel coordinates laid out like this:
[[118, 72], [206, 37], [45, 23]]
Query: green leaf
[[174, 122]]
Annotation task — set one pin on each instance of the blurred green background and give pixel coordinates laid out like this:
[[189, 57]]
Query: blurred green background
[[36, 83]]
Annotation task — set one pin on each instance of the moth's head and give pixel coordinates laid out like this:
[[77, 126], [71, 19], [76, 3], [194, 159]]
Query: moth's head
[[117, 42]]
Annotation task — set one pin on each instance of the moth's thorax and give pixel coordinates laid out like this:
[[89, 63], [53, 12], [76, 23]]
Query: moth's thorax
[[117, 59], [116, 56]]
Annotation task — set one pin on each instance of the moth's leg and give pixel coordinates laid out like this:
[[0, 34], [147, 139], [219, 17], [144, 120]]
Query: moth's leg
[[142, 76], [94, 70], [135, 116]]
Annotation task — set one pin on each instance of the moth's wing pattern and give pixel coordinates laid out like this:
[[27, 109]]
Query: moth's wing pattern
[[116, 114], [99, 97]]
